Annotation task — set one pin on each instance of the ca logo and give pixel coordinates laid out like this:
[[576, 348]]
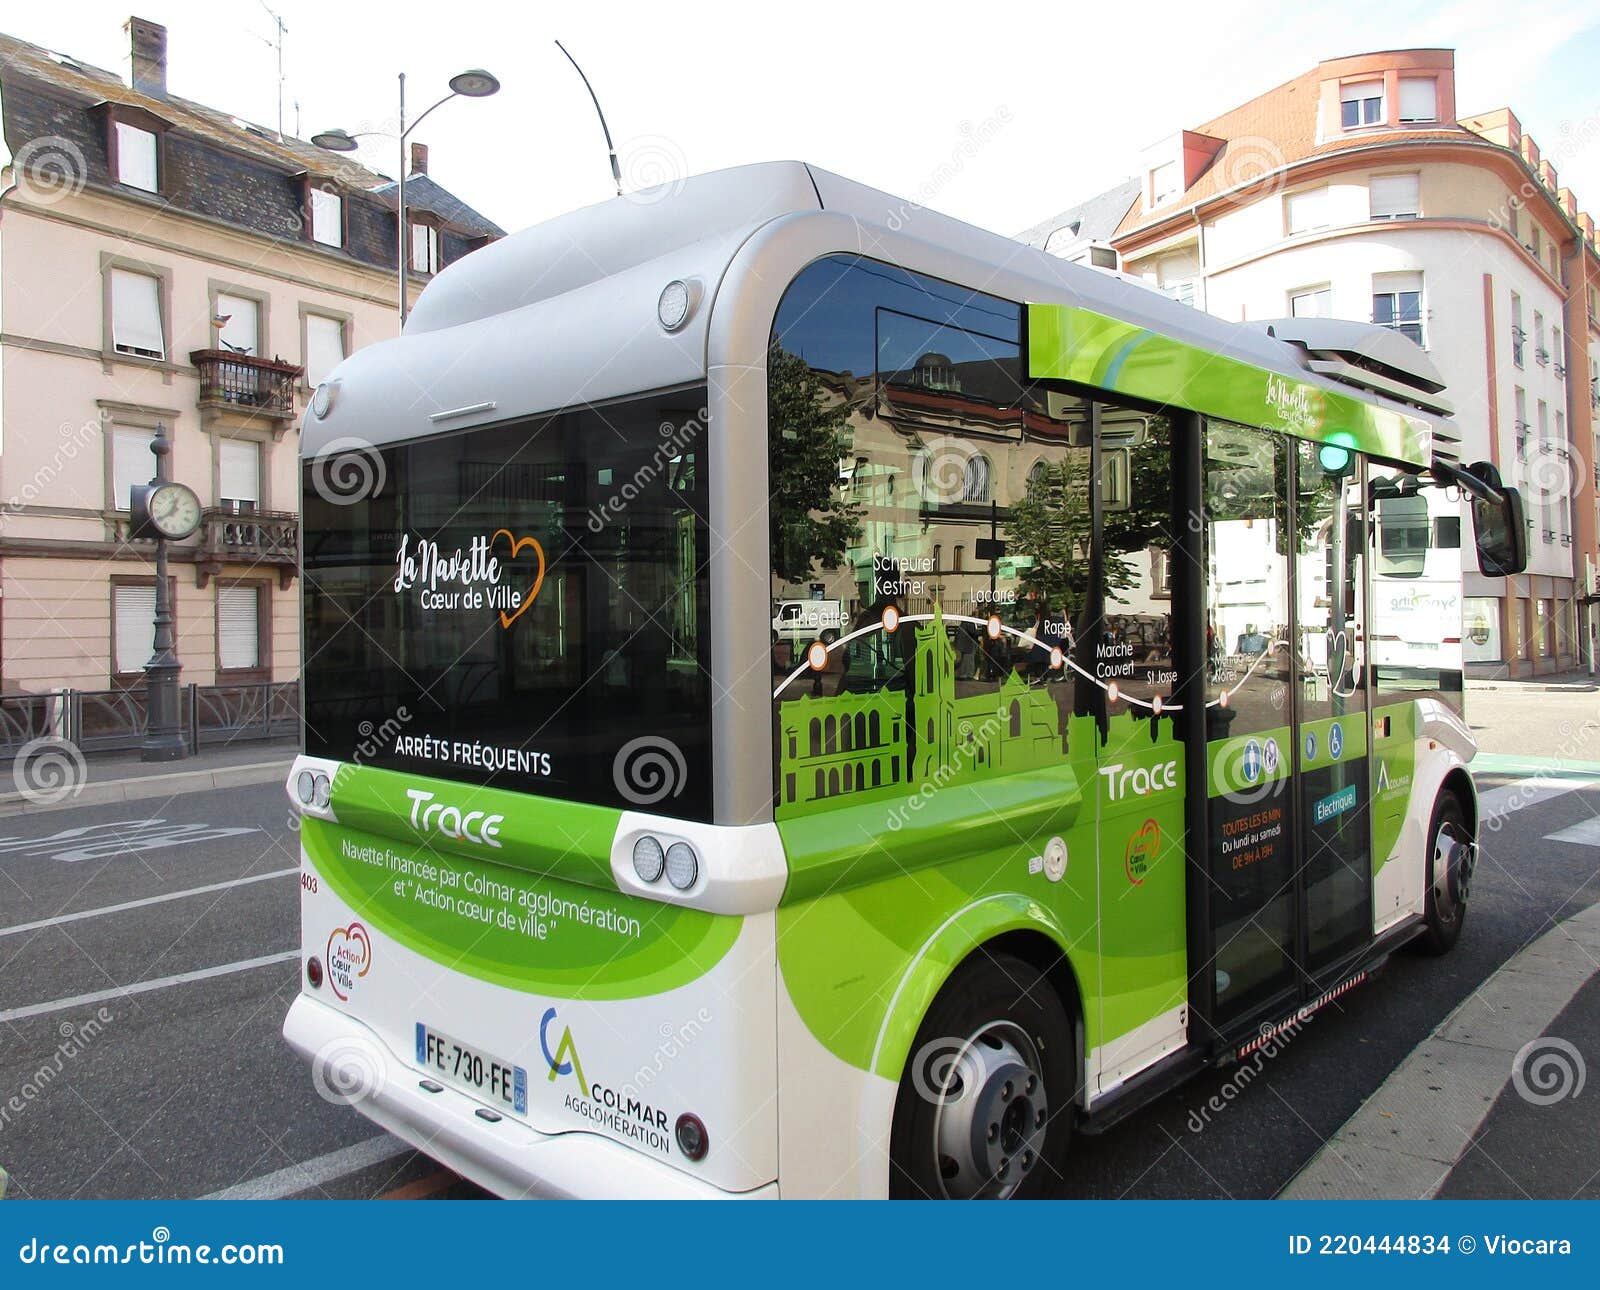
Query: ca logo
[[564, 1061]]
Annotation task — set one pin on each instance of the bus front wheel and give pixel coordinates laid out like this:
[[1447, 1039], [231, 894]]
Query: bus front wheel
[[985, 1107], [1451, 856]]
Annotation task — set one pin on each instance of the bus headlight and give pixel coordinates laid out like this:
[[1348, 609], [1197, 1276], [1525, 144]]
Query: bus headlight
[[648, 859], [321, 791], [683, 866], [305, 787]]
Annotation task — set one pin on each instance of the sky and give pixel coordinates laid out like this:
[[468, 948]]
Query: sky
[[998, 113]]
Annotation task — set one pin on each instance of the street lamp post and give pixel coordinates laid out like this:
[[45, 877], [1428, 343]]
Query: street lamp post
[[472, 84], [163, 734]]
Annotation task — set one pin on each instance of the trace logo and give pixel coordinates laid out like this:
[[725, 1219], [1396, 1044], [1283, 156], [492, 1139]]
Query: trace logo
[[349, 956], [470, 826], [1141, 852], [564, 1061], [1139, 781]]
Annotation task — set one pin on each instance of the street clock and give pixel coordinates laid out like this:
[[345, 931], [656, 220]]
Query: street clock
[[164, 510]]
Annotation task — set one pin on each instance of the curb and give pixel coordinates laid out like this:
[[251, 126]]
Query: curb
[[145, 786], [1408, 1136]]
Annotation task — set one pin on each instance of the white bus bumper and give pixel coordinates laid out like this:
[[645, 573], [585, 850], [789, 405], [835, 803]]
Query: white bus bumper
[[506, 1157]]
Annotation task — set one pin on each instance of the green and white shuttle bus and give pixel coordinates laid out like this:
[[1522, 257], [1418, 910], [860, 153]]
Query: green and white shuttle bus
[[611, 889]]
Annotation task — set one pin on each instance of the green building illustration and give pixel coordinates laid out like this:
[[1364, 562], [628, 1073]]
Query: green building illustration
[[917, 733]]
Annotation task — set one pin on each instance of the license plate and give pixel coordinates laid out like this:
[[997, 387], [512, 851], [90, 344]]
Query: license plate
[[472, 1069]]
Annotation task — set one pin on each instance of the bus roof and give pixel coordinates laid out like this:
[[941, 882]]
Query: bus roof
[[556, 315]]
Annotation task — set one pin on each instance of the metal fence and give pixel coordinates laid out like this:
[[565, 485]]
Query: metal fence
[[114, 720]]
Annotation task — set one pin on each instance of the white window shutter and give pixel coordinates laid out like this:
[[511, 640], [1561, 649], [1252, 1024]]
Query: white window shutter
[[1393, 196], [238, 627], [131, 463], [136, 313], [242, 334], [327, 217], [133, 628], [1418, 99], [324, 347], [136, 157], [239, 471]]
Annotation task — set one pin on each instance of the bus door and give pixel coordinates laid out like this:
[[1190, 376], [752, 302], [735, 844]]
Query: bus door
[[1249, 853], [1330, 694]]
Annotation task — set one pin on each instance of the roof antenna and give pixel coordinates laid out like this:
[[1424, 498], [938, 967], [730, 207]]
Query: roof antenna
[[616, 170], [278, 45]]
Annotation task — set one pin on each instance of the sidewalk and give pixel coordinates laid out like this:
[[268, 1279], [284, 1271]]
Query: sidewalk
[[1490, 1104], [1578, 681], [124, 778]]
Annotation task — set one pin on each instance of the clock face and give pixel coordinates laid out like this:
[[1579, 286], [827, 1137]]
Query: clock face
[[174, 510]]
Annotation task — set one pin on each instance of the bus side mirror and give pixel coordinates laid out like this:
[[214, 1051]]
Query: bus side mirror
[[1498, 524]]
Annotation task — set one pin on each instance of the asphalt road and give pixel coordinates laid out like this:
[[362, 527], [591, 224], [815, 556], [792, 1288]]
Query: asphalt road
[[186, 1088]]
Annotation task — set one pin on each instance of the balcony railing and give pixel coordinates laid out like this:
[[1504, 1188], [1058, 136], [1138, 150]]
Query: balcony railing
[[246, 384], [270, 538]]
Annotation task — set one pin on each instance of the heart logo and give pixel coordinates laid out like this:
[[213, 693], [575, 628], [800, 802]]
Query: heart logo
[[518, 546], [1141, 852]]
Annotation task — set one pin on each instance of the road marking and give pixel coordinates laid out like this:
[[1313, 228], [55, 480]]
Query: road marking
[[1585, 834], [1510, 798], [116, 837], [140, 904], [313, 1173], [144, 987]]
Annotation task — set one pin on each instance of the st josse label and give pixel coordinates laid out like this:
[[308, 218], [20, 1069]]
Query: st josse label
[[498, 572]]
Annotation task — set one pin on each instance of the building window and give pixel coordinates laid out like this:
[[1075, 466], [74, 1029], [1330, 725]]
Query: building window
[[424, 248], [239, 474], [132, 463], [1519, 404], [136, 157], [136, 314], [1541, 355], [1397, 303], [1311, 302], [1535, 239], [1361, 104], [1394, 196], [1166, 182], [1182, 291], [327, 217], [1558, 353], [1307, 210], [133, 626], [325, 347], [977, 482], [1518, 336], [238, 324], [1419, 99], [239, 622]]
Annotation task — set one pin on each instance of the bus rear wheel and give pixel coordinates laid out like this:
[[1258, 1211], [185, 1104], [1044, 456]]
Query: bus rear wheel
[[986, 1104], [1452, 853]]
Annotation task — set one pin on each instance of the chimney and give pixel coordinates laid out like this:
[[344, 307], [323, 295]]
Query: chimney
[[147, 56], [419, 158]]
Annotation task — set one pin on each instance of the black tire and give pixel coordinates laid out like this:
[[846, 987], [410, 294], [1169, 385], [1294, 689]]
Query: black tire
[[1443, 914], [1006, 1006]]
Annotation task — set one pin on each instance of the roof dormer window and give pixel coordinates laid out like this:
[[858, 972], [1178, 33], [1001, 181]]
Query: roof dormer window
[[1419, 99], [1361, 104], [1166, 182]]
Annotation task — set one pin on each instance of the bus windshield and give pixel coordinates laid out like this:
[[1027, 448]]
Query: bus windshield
[[524, 604]]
